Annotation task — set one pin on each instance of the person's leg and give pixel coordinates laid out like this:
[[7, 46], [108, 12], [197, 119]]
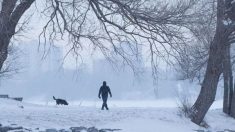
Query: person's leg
[[104, 98], [103, 105], [106, 106]]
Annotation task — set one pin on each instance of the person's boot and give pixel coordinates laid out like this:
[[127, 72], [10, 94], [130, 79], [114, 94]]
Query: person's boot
[[106, 106], [102, 108]]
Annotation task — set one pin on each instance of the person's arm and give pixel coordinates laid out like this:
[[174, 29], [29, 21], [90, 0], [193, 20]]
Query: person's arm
[[110, 93], [99, 92]]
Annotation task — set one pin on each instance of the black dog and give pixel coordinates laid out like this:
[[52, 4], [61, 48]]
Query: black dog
[[60, 101]]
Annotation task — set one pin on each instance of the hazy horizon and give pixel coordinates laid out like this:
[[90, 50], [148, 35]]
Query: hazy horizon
[[40, 79]]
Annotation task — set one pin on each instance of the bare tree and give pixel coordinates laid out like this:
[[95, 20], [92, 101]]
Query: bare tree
[[191, 62], [229, 103], [217, 61]]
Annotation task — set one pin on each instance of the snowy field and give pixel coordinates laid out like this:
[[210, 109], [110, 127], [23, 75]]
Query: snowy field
[[130, 116]]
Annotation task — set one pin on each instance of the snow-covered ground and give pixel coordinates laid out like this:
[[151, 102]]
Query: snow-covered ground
[[130, 116]]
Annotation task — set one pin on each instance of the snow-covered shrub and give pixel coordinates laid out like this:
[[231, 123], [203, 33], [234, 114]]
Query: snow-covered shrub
[[184, 106]]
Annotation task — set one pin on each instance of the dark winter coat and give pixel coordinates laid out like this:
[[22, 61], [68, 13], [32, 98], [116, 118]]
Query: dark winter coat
[[104, 91]]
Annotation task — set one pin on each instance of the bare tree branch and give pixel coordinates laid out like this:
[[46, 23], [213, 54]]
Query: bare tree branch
[[18, 12], [108, 23]]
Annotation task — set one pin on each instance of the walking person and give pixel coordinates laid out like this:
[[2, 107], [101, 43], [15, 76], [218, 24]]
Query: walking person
[[104, 91]]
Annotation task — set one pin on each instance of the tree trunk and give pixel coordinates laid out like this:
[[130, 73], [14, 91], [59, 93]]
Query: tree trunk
[[4, 43], [226, 94], [232, 102], [228, 80], [210, 82], [213, 71], [231, 93], [232, 109]]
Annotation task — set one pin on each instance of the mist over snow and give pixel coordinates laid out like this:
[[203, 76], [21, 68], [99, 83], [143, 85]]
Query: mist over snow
[[41, 78]]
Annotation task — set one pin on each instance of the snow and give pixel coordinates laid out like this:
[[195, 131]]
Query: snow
[[135, 118], [233, 2]]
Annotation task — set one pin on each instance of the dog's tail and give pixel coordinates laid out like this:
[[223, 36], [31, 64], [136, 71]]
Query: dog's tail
[[54, 98]]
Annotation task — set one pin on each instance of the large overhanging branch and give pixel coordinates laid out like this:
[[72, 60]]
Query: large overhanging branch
[[11, 13], [112, 23], [19, 11], [7, 8]]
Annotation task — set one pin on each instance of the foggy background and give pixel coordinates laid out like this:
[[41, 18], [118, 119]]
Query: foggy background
[[40, 78]]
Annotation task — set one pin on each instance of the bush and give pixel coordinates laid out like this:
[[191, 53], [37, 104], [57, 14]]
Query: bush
[[184, 106]]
